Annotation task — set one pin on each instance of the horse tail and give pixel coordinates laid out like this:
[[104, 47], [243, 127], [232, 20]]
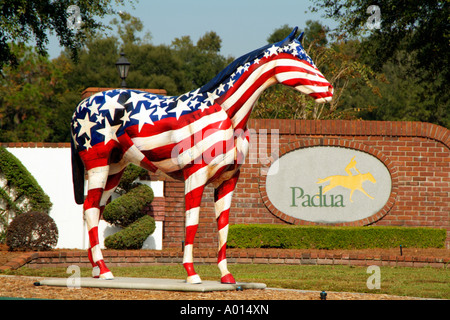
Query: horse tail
[[77, 175], [323, 180]]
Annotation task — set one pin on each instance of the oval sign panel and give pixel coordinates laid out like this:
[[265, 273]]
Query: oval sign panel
[[328, 184]]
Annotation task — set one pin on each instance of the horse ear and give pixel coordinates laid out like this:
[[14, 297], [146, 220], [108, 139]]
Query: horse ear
[[289, 38], [293, 33], [300, 37]]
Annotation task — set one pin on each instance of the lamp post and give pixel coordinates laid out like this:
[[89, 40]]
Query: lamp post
[[123, 66]]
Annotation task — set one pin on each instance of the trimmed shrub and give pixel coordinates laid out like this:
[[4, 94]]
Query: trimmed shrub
[[133, 236], [23, 183], [33, 230], [128, 208], [19, 191], [318, 237], [127, 181], [128, 212]]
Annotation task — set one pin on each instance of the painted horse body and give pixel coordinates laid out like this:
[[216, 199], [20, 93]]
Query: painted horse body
[[200, 137]]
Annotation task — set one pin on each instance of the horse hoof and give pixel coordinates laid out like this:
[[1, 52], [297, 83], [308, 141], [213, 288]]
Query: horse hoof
[[195, 279], [228, 278], [107, 276], [95, 272]]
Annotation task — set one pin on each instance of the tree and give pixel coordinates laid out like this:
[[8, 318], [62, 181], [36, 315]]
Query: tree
[[419, 30], [33, 96], [210, 41], [421, 26], [201, 62], [26, 21], [96, 64], [177, 68], [128, 27]]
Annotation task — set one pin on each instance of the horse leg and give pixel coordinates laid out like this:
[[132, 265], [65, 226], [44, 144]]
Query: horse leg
[[222, 203], [97, 180], [364, 191], [194, 187]]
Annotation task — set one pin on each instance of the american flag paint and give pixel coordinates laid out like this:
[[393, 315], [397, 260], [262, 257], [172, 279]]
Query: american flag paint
[[200, 137]]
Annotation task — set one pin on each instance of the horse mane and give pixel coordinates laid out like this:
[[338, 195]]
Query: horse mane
[[228, 71]]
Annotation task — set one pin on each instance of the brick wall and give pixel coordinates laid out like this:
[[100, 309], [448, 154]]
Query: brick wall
[[416, 154]]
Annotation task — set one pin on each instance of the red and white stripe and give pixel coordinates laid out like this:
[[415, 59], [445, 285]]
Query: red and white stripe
[[222, 203], [284, 68]]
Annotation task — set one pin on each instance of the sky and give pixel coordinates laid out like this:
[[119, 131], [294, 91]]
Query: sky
[[243, 25]]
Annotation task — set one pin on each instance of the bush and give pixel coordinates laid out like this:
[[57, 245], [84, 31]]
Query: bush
[[128, 213], [127, 181], [317, 237], [133, 236], [23, 183], [19, 191], [128, 208], [32, 231]]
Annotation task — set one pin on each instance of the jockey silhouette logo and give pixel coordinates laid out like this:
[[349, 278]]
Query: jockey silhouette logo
[[350, 181]]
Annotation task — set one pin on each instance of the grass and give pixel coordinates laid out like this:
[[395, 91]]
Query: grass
[[402, 281]]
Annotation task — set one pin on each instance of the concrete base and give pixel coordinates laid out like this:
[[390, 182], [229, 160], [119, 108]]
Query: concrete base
[[148, 284]]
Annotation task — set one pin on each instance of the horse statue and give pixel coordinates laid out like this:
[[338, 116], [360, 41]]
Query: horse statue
[[200, 137]]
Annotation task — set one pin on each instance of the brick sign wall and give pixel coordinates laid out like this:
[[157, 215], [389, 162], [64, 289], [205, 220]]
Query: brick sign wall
[[416, 155]]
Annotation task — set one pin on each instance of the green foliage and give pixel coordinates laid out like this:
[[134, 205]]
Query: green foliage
[[131, 173], [19, 191], [19, 178], [35, 102], [95, 66], [32, 21], [126, 209], [128, 213], [315, 237], [32, 231], [177, 68], [411, 47], [133, 236], [420, 26], [402, 96]]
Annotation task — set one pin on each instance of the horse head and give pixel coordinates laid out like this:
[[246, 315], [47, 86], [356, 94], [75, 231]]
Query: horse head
[[296, 69], [369, 176]]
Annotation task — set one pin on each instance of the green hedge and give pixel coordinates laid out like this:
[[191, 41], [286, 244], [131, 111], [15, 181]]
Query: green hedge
[[128, 208], [318, 237], [133, 236]]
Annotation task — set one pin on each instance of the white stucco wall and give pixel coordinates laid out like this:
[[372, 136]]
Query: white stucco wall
[[52, 168]]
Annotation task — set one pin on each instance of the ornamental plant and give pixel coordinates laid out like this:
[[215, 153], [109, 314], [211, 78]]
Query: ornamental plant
[[128, 212], [33, 230], [331, 237], [19, 191]]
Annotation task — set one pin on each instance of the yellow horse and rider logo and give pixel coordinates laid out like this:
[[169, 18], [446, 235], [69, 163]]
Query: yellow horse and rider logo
[[350, 181]]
